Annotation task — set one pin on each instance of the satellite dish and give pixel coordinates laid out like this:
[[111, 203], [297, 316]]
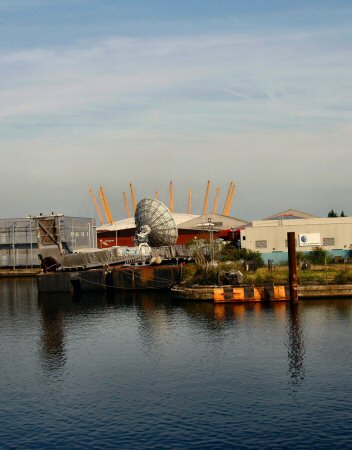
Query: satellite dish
[[154, 223]]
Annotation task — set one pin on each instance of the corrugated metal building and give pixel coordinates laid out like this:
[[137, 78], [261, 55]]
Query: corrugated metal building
[[18, 240], [269, 237]]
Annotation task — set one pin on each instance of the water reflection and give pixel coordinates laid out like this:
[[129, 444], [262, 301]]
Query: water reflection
[[155, 313], [218, 317], [54, 312], [296, 350], [53, 309], [139, 368], [17, 297]]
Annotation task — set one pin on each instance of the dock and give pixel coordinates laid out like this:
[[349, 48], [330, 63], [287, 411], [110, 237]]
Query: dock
[[249, 294], [19, 273]]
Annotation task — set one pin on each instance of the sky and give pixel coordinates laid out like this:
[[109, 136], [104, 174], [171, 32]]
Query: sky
[[104, 92]]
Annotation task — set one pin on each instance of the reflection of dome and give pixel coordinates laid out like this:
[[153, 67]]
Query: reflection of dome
[[304, 238]]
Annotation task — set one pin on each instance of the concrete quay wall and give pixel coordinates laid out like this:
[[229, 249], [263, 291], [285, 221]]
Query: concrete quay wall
[[246, 294]]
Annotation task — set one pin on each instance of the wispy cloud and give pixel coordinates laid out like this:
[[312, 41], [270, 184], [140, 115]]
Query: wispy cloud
[[282, 75], [217, 104]]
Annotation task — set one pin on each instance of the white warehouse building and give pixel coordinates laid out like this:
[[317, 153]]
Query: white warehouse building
[[269, 237]]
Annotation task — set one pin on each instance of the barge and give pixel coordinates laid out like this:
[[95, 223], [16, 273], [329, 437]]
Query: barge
[[154, 263]]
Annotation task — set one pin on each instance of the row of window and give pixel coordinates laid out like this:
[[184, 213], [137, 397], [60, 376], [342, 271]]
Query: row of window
[[9, 238], [77, 233], [327, 242]]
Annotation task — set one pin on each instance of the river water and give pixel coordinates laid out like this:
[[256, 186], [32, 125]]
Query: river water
[[138, 371]]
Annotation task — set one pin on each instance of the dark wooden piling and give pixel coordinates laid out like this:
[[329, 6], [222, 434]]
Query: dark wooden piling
[[292, 266]]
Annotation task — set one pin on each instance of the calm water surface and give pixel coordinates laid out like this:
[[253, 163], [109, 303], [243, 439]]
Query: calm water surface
[[142, 371]]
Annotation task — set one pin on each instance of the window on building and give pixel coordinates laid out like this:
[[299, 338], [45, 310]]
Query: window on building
[[328, 242], [244, 238], [261, 244]]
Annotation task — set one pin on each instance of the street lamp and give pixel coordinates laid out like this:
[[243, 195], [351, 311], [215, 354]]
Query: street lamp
[[13, 245], [211, 239], [211, 230]]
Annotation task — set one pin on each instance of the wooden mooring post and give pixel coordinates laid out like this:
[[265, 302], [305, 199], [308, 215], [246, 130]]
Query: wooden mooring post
[[292, 266]]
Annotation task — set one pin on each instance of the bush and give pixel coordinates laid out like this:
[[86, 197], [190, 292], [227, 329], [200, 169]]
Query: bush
[[318, 256], [205, 275], [343, 277], [231, 253], [302, 256], [188, 271]]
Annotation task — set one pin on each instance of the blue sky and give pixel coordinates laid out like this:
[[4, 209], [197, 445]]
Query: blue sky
[[104, 92]]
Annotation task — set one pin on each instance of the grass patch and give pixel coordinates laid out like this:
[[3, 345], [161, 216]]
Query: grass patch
[[343, 277], [323, 274]]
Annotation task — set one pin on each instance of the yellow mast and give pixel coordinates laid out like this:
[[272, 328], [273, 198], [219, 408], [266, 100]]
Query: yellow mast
[[228, 209], [216, 200], [227, 198], [103, 203], [134, 201], [189, 209], [97, 207], [205, 206], [172, 199], [126, 205], [106, 205]]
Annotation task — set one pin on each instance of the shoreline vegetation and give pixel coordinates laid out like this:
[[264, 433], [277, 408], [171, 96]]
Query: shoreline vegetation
[[317, 267], [278, 275], [214, 262]]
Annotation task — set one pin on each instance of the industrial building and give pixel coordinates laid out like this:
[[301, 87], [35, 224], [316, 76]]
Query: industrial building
[[190, 226], [269, 237], [18, 239], [291, 214]]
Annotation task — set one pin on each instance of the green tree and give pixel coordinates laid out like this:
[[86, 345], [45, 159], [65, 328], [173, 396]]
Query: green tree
[[332, 213], [343, 214]]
